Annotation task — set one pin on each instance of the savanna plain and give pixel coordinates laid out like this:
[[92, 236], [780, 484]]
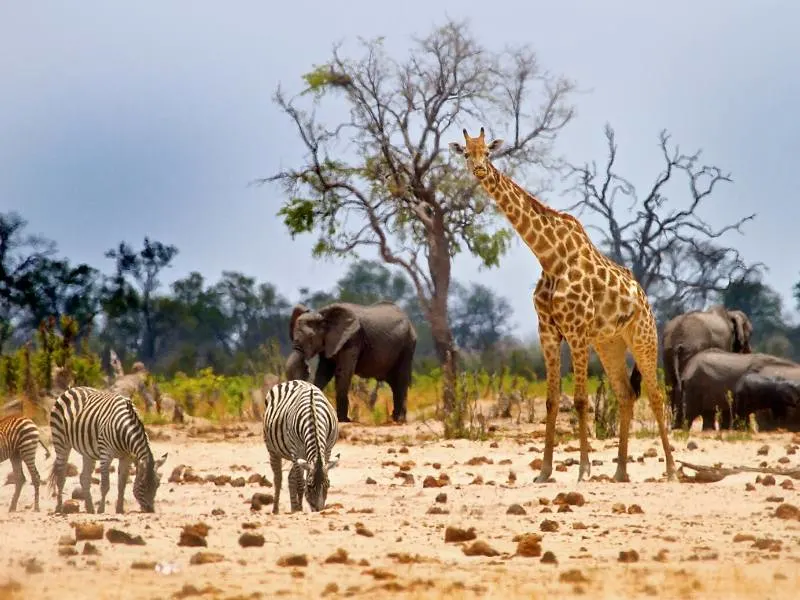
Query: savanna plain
[[411, 514]]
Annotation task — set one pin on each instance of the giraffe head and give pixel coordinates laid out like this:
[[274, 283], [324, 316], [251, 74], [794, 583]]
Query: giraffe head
[[477, 152]]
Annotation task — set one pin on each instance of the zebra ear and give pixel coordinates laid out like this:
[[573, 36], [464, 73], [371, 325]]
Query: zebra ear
[[333, 462], [160, 462], [302, 462]]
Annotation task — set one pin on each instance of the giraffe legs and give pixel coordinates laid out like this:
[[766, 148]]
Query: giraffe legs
[[612, 357], [550, 339], [645, 356], [580, 368]]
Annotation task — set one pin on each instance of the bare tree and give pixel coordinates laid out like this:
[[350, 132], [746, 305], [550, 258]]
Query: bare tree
[[673, 253], [389, 185]]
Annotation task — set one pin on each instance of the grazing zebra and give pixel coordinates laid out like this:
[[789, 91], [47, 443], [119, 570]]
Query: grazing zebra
[[19, 437], [300, 425], [103, 426]]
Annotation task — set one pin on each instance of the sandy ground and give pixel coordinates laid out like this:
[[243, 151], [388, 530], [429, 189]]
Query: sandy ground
[[684, 535]]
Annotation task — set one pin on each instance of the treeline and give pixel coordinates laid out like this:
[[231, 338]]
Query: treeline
[[238, 325], [234, 325]]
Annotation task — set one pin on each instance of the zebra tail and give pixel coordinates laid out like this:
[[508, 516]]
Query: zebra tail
[[51, 479], [46, 449]]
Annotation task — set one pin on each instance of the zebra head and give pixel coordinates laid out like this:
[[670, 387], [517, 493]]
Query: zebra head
[[147, 481], [317, 482]]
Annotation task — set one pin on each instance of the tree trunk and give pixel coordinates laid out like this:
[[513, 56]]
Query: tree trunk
[[439, 268]]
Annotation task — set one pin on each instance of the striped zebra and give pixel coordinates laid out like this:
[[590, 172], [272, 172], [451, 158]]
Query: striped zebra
[[103, 426], [300, 426], [19, 437]]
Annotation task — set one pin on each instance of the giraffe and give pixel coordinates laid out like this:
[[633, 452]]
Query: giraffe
[[582, 297]]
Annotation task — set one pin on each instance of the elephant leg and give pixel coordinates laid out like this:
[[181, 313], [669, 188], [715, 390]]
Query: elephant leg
[[345, 367], [399, 382], [326, 369]]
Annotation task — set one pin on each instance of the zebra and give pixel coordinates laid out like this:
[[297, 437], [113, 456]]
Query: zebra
[[300, 426], [103, 426], [19, 437]]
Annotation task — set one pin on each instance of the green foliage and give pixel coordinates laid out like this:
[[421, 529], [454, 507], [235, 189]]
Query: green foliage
[[210, 395]]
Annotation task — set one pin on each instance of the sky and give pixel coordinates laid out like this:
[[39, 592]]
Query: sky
[[121, 120]]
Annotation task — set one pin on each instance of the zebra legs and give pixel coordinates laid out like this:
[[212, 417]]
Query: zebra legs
[[59, 475], [86, 483], [105, 463], [276, 464], [122, 479], [35, 480], [19, 481], [297, 485]]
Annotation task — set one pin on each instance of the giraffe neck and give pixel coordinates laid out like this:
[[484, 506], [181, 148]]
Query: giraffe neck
[[551, 235]]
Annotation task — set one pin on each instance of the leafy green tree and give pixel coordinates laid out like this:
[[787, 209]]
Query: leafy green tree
[[131, 294], [369, 281], [480, 317], [381, 178]]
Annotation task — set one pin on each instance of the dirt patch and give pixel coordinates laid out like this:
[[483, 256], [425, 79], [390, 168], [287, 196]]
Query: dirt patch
[[378, 536]]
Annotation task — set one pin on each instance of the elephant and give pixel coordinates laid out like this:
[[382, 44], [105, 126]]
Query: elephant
[[687, 334], [375, 341], [778, 393], [711, 375]]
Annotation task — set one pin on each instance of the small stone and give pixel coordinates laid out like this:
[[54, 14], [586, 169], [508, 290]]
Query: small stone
[[251, 540], [66, 540], [628, 556], [238, 482], [258, 500], [549, 558], [221, 480], [618, 508], [437, 510], [529, 544], [331, 588], [774, 499], [691, 445], [480, 548], [749, 487], [744, 537], [71, 507], [361, 530], [293, 560], [548, 525], [371, 481], [194, 535], [784, 459], [573, 576], [88, 531], [763, 451], [338, 557], [67, 551], [635, 509], [456, 534], [544, 501], [89, 549], [579, 525], [650, 453], [206, 558], [536, 464], [787, 484], [218, 512], [143, 565], [662, 555], [117, 536], [516, 509], [788, 511], [441, 498]]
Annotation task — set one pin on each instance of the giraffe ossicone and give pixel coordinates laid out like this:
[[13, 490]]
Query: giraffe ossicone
[[583, 298]]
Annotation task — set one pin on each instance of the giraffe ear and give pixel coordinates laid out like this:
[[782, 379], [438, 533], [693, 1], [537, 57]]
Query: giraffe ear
[[456, 148], [495, 145]]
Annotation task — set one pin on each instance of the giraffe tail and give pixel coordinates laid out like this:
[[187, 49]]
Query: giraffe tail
[[636, 381]]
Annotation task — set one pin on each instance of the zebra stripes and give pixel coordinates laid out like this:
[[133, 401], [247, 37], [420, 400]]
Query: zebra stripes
[[19, 437], [103, 426], [300, 426]]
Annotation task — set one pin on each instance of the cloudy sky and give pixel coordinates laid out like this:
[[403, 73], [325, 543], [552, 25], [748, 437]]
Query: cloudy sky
[[124, 120]]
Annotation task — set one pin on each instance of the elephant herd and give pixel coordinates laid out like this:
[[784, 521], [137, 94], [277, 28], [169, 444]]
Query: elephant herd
[[711, 371], [709, 367]]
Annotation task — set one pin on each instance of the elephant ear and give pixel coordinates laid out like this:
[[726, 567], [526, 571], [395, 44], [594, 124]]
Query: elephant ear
[[298, 310], [341, 323]]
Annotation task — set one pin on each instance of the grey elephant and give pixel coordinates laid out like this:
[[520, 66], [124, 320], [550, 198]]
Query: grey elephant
[[776, 389], [709, 381], [687, 334], [375, 341]]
